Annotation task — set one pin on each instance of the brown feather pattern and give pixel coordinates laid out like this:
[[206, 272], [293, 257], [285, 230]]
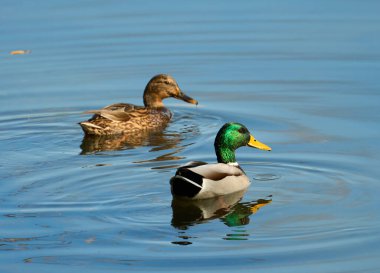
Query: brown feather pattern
[[120, 118]]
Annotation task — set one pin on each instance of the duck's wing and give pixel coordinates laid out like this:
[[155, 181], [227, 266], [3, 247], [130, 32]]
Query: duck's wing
[[217, 171], [198, 170], [192, 164], [120, 111]]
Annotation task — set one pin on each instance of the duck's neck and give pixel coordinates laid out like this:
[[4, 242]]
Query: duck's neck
[[225, 155], [151, 98]]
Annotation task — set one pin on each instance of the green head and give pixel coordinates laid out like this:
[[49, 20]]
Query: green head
[[232, 136]]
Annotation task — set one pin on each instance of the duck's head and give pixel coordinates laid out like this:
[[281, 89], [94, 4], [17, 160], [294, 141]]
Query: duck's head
[[232, 136], [163, 86]]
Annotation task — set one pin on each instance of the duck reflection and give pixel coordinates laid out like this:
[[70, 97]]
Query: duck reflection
[[91, 144], [228, 209], [158, 139]]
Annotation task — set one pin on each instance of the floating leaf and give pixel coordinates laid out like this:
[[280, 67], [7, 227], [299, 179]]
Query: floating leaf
[[19, 52]]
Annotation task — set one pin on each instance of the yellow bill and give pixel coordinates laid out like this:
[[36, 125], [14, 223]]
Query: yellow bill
[[257, 144]]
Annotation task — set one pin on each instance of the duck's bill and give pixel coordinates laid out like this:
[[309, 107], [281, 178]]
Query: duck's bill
[[258, 145], [186, 98]]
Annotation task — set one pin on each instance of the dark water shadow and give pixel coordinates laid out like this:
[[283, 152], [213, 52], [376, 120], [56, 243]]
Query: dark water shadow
[[228, 209], [158, 140]]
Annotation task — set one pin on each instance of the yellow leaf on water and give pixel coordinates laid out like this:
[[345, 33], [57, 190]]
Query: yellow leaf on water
[[19, 52]]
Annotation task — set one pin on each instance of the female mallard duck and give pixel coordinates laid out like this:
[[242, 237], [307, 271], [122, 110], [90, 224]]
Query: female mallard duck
[[123, 117], [199, 180]]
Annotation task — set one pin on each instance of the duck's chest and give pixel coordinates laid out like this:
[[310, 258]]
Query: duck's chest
[[154, 118]]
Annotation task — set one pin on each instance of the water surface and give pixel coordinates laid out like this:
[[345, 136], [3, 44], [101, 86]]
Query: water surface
[[302, 76]]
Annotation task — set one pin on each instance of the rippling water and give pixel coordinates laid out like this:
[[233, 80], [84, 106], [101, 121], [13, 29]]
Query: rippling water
[[303, 76]]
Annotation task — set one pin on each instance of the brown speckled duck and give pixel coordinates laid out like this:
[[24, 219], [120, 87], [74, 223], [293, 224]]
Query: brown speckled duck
[[120, 118]]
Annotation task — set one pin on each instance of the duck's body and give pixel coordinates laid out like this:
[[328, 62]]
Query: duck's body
[[120, 118], [199, 180]]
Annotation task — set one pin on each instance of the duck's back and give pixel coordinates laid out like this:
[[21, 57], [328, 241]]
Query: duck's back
[[123, 117]]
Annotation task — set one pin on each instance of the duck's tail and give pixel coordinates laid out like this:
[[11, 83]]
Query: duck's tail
[[90, 128], [184, 187]]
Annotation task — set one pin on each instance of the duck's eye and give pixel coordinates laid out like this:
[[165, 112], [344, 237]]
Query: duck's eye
[[242, 130], [167, 82]]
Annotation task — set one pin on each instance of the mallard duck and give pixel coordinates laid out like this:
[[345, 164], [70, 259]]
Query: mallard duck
[[199, 180], [124, 117]]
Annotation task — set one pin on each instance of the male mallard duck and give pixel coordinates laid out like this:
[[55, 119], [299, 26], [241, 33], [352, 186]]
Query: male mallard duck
[[124, 117], [199, 180]]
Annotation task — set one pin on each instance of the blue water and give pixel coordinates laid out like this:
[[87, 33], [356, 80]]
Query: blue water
[[303, 76]]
